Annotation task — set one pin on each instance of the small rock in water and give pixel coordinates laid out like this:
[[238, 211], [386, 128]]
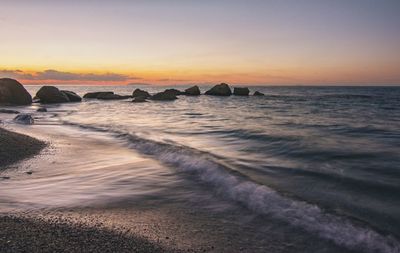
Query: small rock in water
[[222, 89], [29, 172], [139, 100], [51, 94], [140, 93], [5, 177], [42, 109], [257, 93], [164, 96], [241, 91], [25, 119], [174, 91], [192, 91], [8, 111], [96, 94], [72, 96]]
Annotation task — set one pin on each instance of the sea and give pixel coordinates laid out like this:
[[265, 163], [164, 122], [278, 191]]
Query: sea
[[320, 163]]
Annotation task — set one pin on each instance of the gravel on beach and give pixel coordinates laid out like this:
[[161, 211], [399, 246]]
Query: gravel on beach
[[33, 235]]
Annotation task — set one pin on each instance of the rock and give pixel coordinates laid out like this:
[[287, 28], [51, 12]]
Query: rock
[[174, 92], [140, 93], [25, 119], [51, 94], [241, 91], [139, 100], [9, 111], [29, 172], [192, 91], [257, 93], [96, 94], [42, 109], [220, 90], [72, 96], [164, 96], [112, 97], [12, 92]]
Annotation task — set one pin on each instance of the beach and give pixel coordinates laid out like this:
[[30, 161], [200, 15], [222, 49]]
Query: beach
[[137, 176]]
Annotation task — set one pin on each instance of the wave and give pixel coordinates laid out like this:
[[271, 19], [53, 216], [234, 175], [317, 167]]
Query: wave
[[259, 198]]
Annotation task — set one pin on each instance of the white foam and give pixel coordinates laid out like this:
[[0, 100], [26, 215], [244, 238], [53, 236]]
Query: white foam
[[265, 200], [262, 199]]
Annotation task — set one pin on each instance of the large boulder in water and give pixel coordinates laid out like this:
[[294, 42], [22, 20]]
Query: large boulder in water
[[164, 96], [140, 93], [257, 93], [72, 96], [222, 89], [12, 92], [96, 94], [25, 119], [241, 91], [193, 91], [51, 94]]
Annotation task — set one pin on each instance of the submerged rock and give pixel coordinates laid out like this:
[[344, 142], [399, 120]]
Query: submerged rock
[[139, 100], [8, 111], [222, 89], [164, 96], [51, 94], [96, 94], [12, 92], [42, 109], [72, 96], [257, 93], [192, 91], [140, 93], [241, 91], [25, 119]]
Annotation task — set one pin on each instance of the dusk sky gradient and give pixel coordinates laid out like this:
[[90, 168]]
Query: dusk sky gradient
[[270, 42]]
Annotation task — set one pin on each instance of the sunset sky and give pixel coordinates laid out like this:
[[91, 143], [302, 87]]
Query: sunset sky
[[266, 42]]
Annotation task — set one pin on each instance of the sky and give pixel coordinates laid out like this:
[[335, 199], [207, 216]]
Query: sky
[[250, 42]]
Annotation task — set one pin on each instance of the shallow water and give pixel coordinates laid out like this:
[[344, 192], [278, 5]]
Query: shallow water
[[322, 160]]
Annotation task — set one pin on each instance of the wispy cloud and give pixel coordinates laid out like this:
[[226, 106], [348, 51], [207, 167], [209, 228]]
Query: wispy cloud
[[63, 76]]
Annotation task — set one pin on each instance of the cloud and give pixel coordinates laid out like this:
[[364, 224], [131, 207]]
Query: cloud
[[56, 75], [171, 80]]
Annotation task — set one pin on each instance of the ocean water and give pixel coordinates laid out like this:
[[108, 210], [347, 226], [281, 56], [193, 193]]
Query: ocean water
[[322, 160]]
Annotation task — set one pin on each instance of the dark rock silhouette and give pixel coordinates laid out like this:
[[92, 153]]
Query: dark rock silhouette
[[241, 91], [72, 96], [12, 92], [175, 92], [257, 93], [220, 90], [139, 100], [140, 93], [192, 91], [112, 97], [51, 94], [164, 96], [25, 119], [96, 94]]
